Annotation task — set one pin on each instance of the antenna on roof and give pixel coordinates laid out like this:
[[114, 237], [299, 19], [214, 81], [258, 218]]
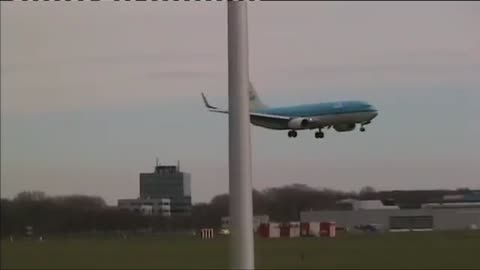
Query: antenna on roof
[[178, 165], [156, 162]]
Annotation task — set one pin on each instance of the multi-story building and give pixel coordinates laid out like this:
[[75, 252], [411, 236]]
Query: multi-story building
[[168, 182], [165, 191]]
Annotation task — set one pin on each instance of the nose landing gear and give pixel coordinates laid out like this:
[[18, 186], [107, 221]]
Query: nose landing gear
[[362, 128]]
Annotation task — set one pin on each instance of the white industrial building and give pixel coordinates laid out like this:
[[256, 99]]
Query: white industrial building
[[438, 216], [257, 220], [366, 204]]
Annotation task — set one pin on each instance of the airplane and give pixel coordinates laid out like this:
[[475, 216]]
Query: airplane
[[343, 116]]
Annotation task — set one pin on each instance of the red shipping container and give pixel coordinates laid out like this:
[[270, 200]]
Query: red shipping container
[[309, 229], [269, 230], [327, 229], [264, 230], [304, 229], [285, 230]]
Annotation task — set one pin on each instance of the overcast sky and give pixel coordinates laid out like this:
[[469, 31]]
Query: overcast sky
[[93, 92]]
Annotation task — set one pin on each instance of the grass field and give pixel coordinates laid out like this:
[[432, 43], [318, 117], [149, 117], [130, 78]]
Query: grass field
[[451, 250]]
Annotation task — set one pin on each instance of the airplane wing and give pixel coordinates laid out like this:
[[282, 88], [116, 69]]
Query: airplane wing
[[270, 117]]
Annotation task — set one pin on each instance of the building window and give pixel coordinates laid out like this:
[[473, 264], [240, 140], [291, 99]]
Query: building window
[[411, 222]]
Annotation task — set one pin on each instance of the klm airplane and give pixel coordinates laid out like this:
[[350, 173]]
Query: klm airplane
[[342, 116]]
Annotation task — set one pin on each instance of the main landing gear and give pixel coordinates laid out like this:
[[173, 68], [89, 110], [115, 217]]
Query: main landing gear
[[292, 134], [319, 134]]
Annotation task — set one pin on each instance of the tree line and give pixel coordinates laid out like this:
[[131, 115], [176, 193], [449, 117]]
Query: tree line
[[81, 213]]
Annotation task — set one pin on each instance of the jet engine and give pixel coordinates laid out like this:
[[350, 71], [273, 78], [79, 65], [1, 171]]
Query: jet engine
[[299, 123], [344, 127]]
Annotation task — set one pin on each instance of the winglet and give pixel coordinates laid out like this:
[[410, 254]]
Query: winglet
[[206, 103]]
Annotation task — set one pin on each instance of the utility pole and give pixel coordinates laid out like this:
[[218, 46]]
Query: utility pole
[[240, 176]]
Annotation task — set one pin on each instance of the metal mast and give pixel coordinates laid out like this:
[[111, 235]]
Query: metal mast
[[240, 186]]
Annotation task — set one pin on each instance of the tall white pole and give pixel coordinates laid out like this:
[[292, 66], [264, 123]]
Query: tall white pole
[[241, 212]]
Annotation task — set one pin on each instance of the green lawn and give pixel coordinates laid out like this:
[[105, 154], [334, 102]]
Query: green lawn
[[451, 250]]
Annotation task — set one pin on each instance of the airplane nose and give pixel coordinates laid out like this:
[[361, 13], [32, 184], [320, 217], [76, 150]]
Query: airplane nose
[[374, 111]]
